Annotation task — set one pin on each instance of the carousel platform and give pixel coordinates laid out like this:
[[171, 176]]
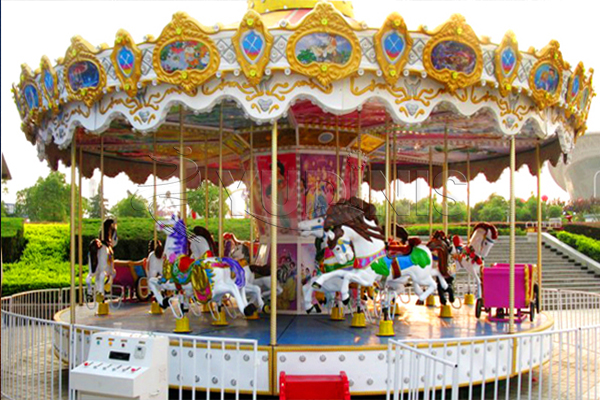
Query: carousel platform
[[309, 344], [414, 322]]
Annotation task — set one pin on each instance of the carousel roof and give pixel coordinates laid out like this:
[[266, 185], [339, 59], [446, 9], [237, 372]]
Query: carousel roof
[[318, 71]]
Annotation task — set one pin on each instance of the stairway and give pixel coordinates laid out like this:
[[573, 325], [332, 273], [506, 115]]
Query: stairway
[[558, 270]]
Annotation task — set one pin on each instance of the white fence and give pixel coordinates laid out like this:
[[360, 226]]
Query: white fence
[[562, 363], [38, 353]]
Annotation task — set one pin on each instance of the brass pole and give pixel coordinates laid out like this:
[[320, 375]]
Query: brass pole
[[359, 159], [511, 283], [221, 249], [430, 191], [183, 188], [102, 186], [370, 180], [394, 187], [337, 159], [154, 205], [206, 182], [468, 195], [387, 186], [73, 208], [274, 235], [251, 194], [539, 221], [445, 183], [80, 228]]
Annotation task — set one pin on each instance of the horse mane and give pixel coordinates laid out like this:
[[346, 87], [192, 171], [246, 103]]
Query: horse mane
[[487, 227], [179, 235], [351, 213], [108, 225], [158, 249], [204, 233], [93, 255]]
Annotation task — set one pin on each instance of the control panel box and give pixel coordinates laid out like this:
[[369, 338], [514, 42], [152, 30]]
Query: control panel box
[[123, 365]]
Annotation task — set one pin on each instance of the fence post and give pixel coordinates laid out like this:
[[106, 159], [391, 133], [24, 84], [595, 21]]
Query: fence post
[[455, 389]]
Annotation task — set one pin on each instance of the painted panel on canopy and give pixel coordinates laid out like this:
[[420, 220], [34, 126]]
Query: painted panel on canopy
[[319, 183], [31, 96], [453, 56], [393, 45], [126, 61], [184, 55], [83, 74], [508, 60], [584, 98], [546, 78], [576, 86], [323, 48], [253, 45], [48, 82]]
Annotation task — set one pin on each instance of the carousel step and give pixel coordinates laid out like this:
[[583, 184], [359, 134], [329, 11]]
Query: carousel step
[[305, 387]]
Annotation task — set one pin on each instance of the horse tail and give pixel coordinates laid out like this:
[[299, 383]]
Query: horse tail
[[236, 268], [93, 256]]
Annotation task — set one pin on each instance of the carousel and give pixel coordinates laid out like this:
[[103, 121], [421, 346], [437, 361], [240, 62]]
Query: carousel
[[303, 94]]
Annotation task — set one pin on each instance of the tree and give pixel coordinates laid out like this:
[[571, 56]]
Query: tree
[[95, 210], [133, 205], [196, 200], [492, 209], [49, 200]]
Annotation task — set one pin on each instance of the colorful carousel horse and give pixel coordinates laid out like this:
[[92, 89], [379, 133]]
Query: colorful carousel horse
[[101, 266], [441, 249], [204, 279], [471, 257]]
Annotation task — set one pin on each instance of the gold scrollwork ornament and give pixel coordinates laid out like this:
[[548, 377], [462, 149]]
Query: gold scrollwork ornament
[[28, 79], [82, 51], [49, 76], [184, 28], [324, 19], [548, 55], [253, 68], [508, 47], [391, 66], [457, 30], [126, 51]]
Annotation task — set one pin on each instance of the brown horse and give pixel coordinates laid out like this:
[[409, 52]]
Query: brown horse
[[440, 247]]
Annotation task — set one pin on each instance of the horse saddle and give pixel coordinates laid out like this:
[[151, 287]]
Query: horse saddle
[[184, 264], [400, 249]]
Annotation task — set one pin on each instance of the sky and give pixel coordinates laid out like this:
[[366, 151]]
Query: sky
[[31, 29]]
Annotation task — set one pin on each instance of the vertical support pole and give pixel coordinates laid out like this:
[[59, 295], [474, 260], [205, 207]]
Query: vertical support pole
[[468, 196], [206, 181], [394, 215], [251, 194], [511, 283], [359, 159], [370, 180], [539, 220], [387, 185], [337, 159], [221, 249], [274, 234], [73, 208], [80, 228], [445, 177], [183, 188], [430, 191], [102, 211], [154, 205]]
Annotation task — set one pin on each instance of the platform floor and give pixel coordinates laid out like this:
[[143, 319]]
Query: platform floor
[[415, 322]]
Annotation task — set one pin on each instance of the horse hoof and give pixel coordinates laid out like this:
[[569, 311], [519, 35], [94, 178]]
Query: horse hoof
[[420, 302], [249, 310], [317, 309], [316, 285], [346, 301], [165, 304]]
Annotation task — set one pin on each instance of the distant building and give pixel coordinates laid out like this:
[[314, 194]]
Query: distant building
[[10, 208], [581, 177]]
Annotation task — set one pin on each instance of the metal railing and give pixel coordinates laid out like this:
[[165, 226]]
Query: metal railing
[[38, 353]]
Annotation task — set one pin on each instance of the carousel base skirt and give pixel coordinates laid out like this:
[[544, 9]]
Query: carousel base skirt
[[309, 344]]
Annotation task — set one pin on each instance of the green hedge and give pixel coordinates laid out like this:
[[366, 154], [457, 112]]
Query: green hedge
[[423, 230], [591, 230], [13, 241], [583, 244]]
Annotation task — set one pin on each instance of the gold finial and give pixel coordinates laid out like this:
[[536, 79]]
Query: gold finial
[[265, 6]]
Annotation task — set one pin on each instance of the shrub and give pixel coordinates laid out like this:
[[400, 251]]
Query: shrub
[[13, 241], [591, 230], [423, 230], [589, 247]]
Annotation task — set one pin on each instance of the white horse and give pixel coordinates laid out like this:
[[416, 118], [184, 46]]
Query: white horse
[[471, 257], [205, 278], [101, 262]]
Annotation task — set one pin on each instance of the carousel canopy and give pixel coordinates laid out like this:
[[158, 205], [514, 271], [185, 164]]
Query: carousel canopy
[[319, 72]]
